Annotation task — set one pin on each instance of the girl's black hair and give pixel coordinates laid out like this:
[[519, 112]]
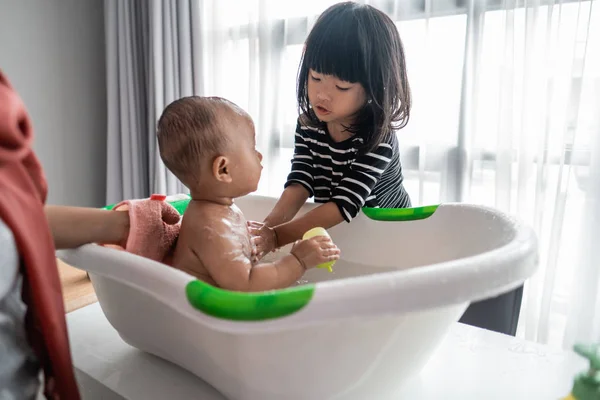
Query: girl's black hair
[[359, 43]]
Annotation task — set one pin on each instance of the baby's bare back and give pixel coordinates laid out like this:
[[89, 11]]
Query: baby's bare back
[[207, 229]]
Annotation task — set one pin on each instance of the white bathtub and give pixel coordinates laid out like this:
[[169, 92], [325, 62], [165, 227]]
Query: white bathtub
[[356, 333]]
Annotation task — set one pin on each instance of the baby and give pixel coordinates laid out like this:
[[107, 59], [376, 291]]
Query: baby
[[209, 144]]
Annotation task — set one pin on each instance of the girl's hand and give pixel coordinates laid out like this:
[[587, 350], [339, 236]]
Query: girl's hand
[[315, 251], [264, 239]]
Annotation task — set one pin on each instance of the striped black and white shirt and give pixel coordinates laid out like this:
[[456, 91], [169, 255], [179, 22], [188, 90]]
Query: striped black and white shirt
[[332, 171]]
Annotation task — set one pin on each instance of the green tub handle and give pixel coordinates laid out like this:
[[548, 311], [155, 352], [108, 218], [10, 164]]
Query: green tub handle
[[242, 306], [399, 214]]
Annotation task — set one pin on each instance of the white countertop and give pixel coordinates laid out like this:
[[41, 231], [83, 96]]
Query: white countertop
[[470, 363]]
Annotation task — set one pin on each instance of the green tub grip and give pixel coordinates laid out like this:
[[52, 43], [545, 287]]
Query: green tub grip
[[253, 306], [399, 214], [180, 205]]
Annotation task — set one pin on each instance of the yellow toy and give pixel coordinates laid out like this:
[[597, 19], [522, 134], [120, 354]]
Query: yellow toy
[[318, 231]]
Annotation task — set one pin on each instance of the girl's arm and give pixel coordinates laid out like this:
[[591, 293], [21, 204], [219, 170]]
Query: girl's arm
[[267, 239], [288, 205], [326, 216], [347, 198], [286, 208], [299, 185], [75, 226]]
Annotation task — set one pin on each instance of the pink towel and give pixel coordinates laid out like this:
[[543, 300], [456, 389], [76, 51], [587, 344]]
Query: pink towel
[[154, 227]]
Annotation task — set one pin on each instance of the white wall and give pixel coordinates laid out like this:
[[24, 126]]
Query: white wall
[[53, 53]]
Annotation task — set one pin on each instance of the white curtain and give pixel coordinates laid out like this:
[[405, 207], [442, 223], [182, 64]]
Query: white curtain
[[241, 61], [506, 113], [153, 50], [175, 62], [126, 76]]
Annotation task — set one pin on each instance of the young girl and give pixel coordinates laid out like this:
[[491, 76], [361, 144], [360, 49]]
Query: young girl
[[353, 93]]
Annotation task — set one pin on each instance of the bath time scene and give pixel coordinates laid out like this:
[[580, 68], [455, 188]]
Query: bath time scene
[[265, 200]]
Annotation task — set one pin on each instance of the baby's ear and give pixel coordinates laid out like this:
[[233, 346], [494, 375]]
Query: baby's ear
[[221, 170]]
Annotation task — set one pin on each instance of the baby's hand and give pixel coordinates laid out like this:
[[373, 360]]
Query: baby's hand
[[314, 251], [264, 239]]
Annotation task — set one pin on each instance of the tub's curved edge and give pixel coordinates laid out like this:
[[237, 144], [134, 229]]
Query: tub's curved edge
[[382, 294], [488, 274]]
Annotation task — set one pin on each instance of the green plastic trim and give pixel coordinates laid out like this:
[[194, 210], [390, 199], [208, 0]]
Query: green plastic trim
[[240, 306], [180, 205], [587, 384], [399, 214]]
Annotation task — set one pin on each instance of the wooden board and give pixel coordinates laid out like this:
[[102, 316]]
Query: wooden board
[[77, 289]]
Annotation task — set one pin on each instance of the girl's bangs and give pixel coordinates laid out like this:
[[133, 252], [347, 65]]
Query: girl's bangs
[[337, 52]]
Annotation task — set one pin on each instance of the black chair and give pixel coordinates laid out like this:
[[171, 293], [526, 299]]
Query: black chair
[[498, 314]]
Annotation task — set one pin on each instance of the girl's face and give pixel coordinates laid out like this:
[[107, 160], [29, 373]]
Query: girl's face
[[334, 100]]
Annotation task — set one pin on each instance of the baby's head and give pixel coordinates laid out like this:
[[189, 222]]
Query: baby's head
[[209, 144]]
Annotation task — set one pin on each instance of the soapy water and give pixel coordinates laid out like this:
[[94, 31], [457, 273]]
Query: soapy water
[[341, 269]]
